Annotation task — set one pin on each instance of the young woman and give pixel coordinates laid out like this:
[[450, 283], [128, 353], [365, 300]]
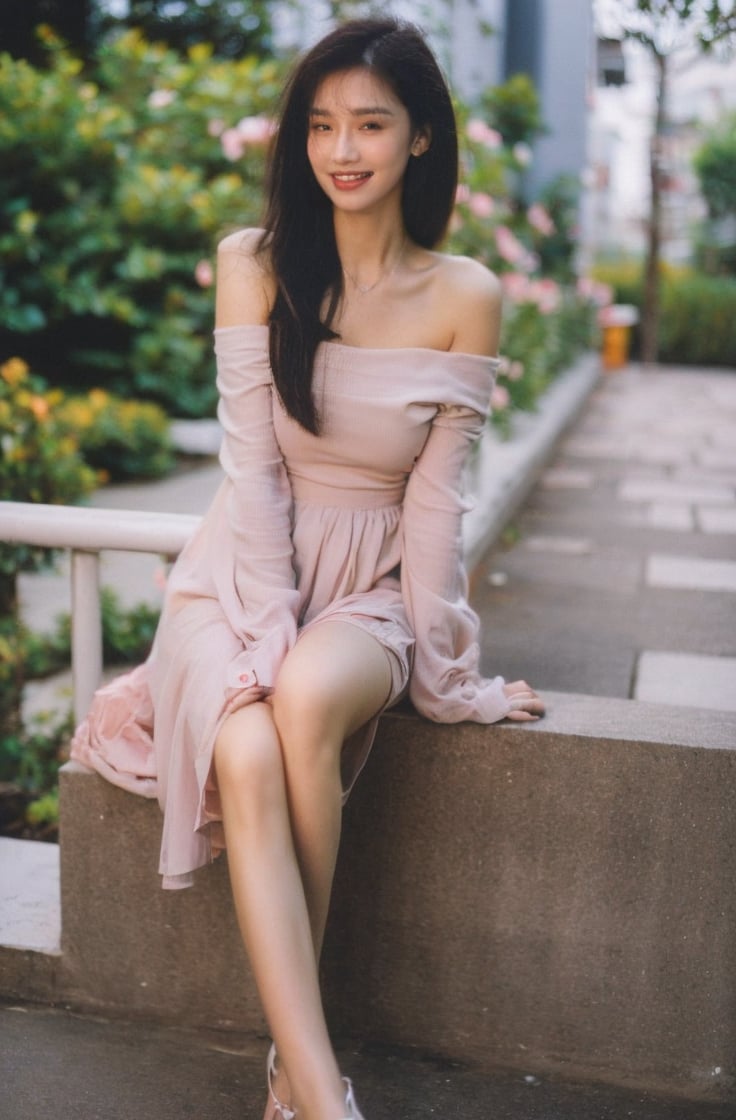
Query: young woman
[[355, 365]]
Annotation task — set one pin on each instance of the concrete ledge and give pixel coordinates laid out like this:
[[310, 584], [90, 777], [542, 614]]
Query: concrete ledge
[[558, 897]]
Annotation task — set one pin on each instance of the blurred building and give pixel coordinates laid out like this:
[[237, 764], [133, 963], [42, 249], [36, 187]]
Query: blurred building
[[617, 182]]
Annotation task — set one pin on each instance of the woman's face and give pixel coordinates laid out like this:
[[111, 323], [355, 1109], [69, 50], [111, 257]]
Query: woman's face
[[360, 140]]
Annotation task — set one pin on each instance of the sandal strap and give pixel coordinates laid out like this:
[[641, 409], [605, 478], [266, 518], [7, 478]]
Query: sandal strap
[[286, 1113], [354, 1111]]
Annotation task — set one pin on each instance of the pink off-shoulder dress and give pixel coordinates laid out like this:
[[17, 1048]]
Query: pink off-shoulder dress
[[361, 523]]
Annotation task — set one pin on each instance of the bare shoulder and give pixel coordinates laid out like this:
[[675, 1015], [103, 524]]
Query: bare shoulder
[[245, 286], [471, 294]]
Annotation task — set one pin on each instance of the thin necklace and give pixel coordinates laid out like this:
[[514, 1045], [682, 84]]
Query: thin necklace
[[384, 275]]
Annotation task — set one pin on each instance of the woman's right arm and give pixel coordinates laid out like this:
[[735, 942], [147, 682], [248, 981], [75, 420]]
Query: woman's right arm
[[245, 286], [259, 505]]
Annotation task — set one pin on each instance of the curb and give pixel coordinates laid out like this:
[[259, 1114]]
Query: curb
[[504, 471]]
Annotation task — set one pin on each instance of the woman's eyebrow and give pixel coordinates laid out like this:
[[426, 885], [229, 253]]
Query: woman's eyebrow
[[368, 111]]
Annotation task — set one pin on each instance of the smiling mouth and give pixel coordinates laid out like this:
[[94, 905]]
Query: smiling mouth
[[350, 179]]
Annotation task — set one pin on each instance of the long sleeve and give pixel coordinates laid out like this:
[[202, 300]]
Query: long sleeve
[[445, 684], [262, 606]]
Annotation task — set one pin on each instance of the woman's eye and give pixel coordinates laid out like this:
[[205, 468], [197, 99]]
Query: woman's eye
[[374, 126], [319, 127]]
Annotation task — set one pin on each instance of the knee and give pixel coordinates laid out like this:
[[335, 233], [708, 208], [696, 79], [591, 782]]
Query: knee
[[247, 753], [306, 709]]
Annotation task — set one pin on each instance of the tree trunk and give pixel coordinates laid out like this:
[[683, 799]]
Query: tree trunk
[[651, 308]]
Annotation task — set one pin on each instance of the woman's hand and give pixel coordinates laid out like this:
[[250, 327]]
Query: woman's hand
[[525, 704]]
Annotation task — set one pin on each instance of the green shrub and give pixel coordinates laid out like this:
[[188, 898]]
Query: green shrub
[[30, 755], [122, 439], [41, 460], [127, 635], [698, 313], [115, 189], [699, 321], [544, 330]]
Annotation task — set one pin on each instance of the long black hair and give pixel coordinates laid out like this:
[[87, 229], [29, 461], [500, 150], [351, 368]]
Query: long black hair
[[300, 235]]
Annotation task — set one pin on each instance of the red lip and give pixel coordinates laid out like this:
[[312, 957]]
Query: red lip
[[350, 184]]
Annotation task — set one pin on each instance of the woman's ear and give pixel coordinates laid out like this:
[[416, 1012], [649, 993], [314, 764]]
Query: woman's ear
[[421, 142]]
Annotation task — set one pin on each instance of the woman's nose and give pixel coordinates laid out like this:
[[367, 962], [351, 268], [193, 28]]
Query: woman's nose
[[345, 147]]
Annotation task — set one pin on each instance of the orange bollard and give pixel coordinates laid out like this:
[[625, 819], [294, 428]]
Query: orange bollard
[[615, 347], [616, 322]]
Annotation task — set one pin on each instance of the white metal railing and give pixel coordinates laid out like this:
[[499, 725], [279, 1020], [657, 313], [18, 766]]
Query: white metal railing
[[87, 532]]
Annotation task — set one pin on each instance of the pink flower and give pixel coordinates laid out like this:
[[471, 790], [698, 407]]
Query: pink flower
[[233, 144], [256, 130], [462, 194], [480, 133], [539, 219], [516, 371], [203, 273], [215, 127], [594, 291], [160, 98], [515, 286], [509, 247], [481, 204], [500, 398], [546, 294]]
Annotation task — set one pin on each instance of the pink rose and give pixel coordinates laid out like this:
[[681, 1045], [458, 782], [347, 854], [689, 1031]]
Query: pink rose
[[233, 144], [500, 398], [539, 219], [203, 273], [515, 286], [546, 294], [509, 247], [256, 130], [481, 204], [160, 98], [480, 133]]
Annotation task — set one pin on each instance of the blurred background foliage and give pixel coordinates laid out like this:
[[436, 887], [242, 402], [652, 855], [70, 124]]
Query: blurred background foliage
[[115, 185], [121, 172], [234, 28]]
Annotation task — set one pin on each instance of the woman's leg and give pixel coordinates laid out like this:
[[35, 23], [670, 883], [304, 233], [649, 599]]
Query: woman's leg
[[334, 681], [281, 891]]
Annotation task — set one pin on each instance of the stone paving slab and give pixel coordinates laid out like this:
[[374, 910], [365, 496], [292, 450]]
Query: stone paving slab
[[691, 573], [639, 490], [717, 520], [671, 515], [30, 917], [687, 679]]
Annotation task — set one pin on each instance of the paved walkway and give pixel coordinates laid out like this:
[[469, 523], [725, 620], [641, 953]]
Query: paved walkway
[[618, 576], [55, 1066]]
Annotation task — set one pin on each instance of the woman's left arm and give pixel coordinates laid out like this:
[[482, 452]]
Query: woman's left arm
[[446, 684]]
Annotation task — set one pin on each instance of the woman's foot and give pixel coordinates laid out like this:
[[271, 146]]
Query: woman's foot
[[277, 1086]]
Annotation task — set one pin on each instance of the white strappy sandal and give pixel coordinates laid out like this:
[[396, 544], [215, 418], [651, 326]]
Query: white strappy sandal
[[354, 1112], [275, 1110]]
